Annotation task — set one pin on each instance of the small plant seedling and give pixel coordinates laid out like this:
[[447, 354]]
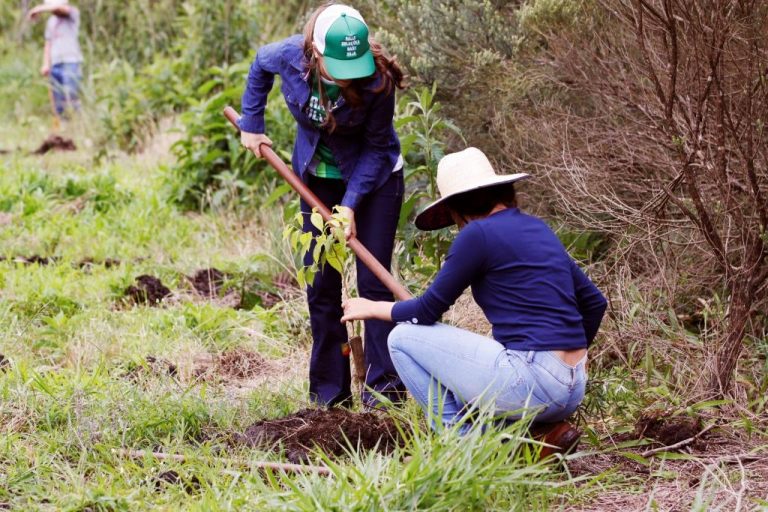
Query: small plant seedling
[[327, 247]]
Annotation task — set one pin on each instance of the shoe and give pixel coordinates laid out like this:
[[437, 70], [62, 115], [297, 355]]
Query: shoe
[[560, 437]]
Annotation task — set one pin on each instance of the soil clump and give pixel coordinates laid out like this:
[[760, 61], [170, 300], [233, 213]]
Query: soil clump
[[171, 477], [55, 143], [30, 260], [151, 365], [148, 290], [234, 364], [208, 282], [162, 366], [89, 263], [331, 431], [240, 363], [665, 429]]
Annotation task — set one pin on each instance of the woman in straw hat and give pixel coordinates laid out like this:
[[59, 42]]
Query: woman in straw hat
[[339, 85], [543, 309], [62, 57]]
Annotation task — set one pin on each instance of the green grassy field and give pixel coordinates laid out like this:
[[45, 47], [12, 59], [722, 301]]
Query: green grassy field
[[90, 374]]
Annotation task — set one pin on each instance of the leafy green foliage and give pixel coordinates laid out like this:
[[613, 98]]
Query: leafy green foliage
[[329, 247], [423, 132], [212, 168]]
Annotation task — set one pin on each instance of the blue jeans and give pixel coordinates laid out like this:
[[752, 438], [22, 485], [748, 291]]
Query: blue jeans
[[65, 82], [450, 370]]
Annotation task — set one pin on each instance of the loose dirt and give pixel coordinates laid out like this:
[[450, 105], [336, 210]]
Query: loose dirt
[[30, 260], [162, 366], [148, 290], [55, 143], [151, 366], [240, 363], [208, 282], [331, 431], [667, 430], [168, 478], [89, 263]]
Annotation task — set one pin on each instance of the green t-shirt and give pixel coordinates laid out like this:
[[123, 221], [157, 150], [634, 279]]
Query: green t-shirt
[[326, 166]]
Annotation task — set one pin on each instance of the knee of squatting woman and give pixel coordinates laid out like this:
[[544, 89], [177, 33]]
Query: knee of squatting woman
[[543, 309]]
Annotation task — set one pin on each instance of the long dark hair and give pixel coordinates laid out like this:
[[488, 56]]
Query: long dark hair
[[479, 203], [386, 66]]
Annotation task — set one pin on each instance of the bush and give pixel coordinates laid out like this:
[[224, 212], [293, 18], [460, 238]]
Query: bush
[[213, 169], [482, 54]]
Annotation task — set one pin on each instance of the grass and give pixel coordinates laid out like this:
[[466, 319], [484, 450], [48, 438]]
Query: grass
[[72, 395], [79, 386]]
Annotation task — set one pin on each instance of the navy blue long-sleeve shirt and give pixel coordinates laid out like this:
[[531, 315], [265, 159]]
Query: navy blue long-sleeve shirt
[[364, 143], [531, 290]]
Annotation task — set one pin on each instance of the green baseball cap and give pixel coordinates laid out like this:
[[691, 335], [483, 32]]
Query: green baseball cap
[[341, 36]]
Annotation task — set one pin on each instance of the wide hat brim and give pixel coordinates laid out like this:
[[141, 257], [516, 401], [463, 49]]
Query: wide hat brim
[[438, 215], [350, 69]]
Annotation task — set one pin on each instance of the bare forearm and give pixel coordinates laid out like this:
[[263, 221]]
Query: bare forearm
[[47, 55], [382, 311], [364, 309]]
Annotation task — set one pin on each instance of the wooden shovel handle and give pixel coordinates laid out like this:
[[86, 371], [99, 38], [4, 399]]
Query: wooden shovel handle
[[399, 291]]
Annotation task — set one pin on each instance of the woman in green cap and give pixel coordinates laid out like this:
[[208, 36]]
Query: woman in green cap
[[339, 84]]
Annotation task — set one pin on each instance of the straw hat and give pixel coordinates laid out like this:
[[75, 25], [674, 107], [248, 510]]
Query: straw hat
[[458, 173]]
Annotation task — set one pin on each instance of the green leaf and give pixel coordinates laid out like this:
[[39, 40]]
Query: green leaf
[[334, 262], [317, 220], [277, 194], [635, 457], [306, 240]]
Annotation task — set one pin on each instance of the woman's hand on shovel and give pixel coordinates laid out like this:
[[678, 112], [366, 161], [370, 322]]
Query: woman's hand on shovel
[[253, 142], [350, 229]]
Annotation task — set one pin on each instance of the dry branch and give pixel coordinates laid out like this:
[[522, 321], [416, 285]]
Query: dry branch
[[253, 464], [684, 442]]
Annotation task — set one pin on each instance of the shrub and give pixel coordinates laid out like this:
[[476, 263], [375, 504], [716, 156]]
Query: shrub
[[212, 168]]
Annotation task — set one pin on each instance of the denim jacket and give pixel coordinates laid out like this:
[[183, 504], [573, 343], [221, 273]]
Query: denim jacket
[[364, 142]]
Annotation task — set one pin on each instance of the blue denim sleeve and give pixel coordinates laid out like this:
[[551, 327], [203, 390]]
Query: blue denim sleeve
[[591, 302], [376, 154], [465, 259], [261, 77]]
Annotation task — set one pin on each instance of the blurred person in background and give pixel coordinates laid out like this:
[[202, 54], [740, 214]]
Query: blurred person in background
[[62, 57]]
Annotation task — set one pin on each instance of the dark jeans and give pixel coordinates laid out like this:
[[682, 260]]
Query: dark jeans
[[329, 369]]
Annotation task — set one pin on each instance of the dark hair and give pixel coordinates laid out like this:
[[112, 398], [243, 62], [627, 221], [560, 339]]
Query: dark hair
[[480, 202], [387, 67]]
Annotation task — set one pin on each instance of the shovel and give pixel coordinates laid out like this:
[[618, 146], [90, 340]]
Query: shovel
[[397, 289]]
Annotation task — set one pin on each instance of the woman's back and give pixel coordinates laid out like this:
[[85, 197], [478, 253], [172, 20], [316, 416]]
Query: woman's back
[[528, 286]]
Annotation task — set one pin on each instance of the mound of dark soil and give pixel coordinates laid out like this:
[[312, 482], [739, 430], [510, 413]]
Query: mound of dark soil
[[168, 478], [148, 290], [89, 263], [666, 429], [5, 363], [162, 366], [240, 363], [55, 143], [31, 260], [151, 366], [328, 430], [208, 282]]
